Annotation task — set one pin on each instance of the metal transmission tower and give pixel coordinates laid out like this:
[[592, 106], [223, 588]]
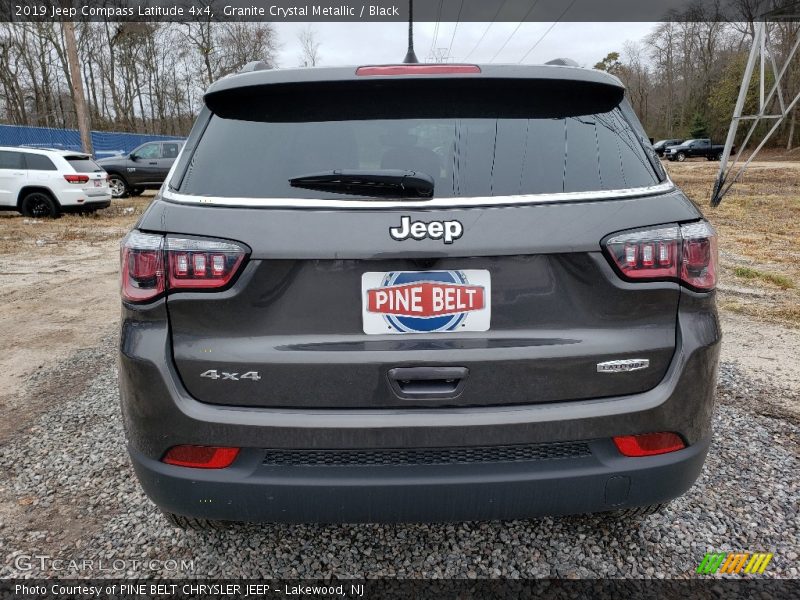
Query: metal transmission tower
[[769, 110]]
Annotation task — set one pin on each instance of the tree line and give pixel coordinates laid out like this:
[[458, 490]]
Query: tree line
[[683, 79], [142, 77]]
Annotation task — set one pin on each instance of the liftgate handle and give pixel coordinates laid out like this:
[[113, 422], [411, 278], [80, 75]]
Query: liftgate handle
[[428, 382]]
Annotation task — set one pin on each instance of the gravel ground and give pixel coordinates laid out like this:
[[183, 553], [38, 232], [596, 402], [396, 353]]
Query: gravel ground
[[68, 492]]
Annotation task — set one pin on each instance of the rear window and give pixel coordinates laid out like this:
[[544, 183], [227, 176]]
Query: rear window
[[498, 148], [82, 164]]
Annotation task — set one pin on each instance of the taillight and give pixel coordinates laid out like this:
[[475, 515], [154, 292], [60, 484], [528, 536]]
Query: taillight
[[152, 264], [197, 263], [417, 70], [648, 444], [77, 178], [687, 253], [142, 266], [201, 457]]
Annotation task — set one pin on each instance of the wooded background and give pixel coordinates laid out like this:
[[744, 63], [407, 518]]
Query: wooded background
[[682, 79], [138, 77]]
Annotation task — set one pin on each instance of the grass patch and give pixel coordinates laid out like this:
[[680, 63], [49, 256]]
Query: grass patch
[[749, 273]]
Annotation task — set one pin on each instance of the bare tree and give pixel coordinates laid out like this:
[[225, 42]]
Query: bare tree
[[77, 85], [309, 47]]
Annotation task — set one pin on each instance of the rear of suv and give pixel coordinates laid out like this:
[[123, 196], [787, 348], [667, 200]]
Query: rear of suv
[[417, 293], [44, 183]]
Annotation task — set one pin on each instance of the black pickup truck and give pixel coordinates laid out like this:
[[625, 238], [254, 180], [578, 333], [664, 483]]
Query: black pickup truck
[[144, 168], [695, 148]]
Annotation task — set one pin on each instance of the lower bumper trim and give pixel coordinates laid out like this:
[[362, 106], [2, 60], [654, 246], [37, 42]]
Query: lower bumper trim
[[249, 490]]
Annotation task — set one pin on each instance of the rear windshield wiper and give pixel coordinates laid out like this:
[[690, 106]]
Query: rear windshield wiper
[[377, 183]]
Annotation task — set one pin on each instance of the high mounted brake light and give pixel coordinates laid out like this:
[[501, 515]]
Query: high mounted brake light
[[417, 70], [685, 253], [152, 264]]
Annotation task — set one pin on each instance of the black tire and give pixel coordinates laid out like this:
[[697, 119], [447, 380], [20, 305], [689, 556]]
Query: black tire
[[719, 156], [39, 205], [680, 156], [118, 186], [193, 524]]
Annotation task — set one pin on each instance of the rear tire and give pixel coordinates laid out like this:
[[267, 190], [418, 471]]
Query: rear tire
[[118, 186], [39, 205], [193, 524], [719, 156]]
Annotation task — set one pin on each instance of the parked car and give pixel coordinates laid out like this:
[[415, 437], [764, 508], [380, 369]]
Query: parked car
[[40, 182], [144, 168], [694, 149], [662, 145], [410, 302]]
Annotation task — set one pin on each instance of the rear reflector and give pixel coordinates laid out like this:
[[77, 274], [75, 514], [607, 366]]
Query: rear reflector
[[201, 457], [648, 444], [417, 70]]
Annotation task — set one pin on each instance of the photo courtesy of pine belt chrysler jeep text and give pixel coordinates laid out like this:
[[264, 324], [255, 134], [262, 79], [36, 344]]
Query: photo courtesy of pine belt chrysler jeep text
[[417, 293]]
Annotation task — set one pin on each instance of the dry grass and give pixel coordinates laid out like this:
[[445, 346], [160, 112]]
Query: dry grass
[[759, 227], [17, 232]]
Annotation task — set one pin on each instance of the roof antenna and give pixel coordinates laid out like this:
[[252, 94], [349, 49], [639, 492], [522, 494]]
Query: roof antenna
[[411, 57]]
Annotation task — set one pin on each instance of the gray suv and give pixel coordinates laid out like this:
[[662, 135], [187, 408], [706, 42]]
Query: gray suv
[[417, 293], [146, 167]]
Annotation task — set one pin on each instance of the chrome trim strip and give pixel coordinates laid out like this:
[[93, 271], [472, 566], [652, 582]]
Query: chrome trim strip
[[443, 203]]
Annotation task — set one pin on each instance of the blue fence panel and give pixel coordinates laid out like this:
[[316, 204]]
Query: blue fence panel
[[104, 143]]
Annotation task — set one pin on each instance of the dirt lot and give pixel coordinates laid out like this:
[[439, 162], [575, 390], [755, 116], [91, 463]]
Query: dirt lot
[[58, 315], [58, 294]]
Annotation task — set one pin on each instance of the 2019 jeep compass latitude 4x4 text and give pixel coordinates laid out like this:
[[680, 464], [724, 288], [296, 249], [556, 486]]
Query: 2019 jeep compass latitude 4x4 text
[[417, 293]]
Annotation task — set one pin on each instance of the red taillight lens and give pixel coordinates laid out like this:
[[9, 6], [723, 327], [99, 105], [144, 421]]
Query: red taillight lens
[[687, 253], [201, 457], [77, 178], [152, 264], [142, 266], [648, 444], [417, 70], [699, 257], [202, 264]]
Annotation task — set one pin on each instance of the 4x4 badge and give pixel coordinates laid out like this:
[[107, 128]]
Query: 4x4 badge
[[436, 230]]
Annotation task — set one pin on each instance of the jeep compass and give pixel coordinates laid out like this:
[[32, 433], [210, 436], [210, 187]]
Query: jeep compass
[[417, 293]]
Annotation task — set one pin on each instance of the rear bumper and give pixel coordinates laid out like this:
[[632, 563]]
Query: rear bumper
[[252, 491], [78, 199], [159, 413]]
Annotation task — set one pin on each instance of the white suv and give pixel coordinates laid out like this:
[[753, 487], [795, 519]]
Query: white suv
[[44, 183]]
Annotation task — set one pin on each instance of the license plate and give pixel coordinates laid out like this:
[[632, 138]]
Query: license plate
[[426, 301], [98, 183]]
